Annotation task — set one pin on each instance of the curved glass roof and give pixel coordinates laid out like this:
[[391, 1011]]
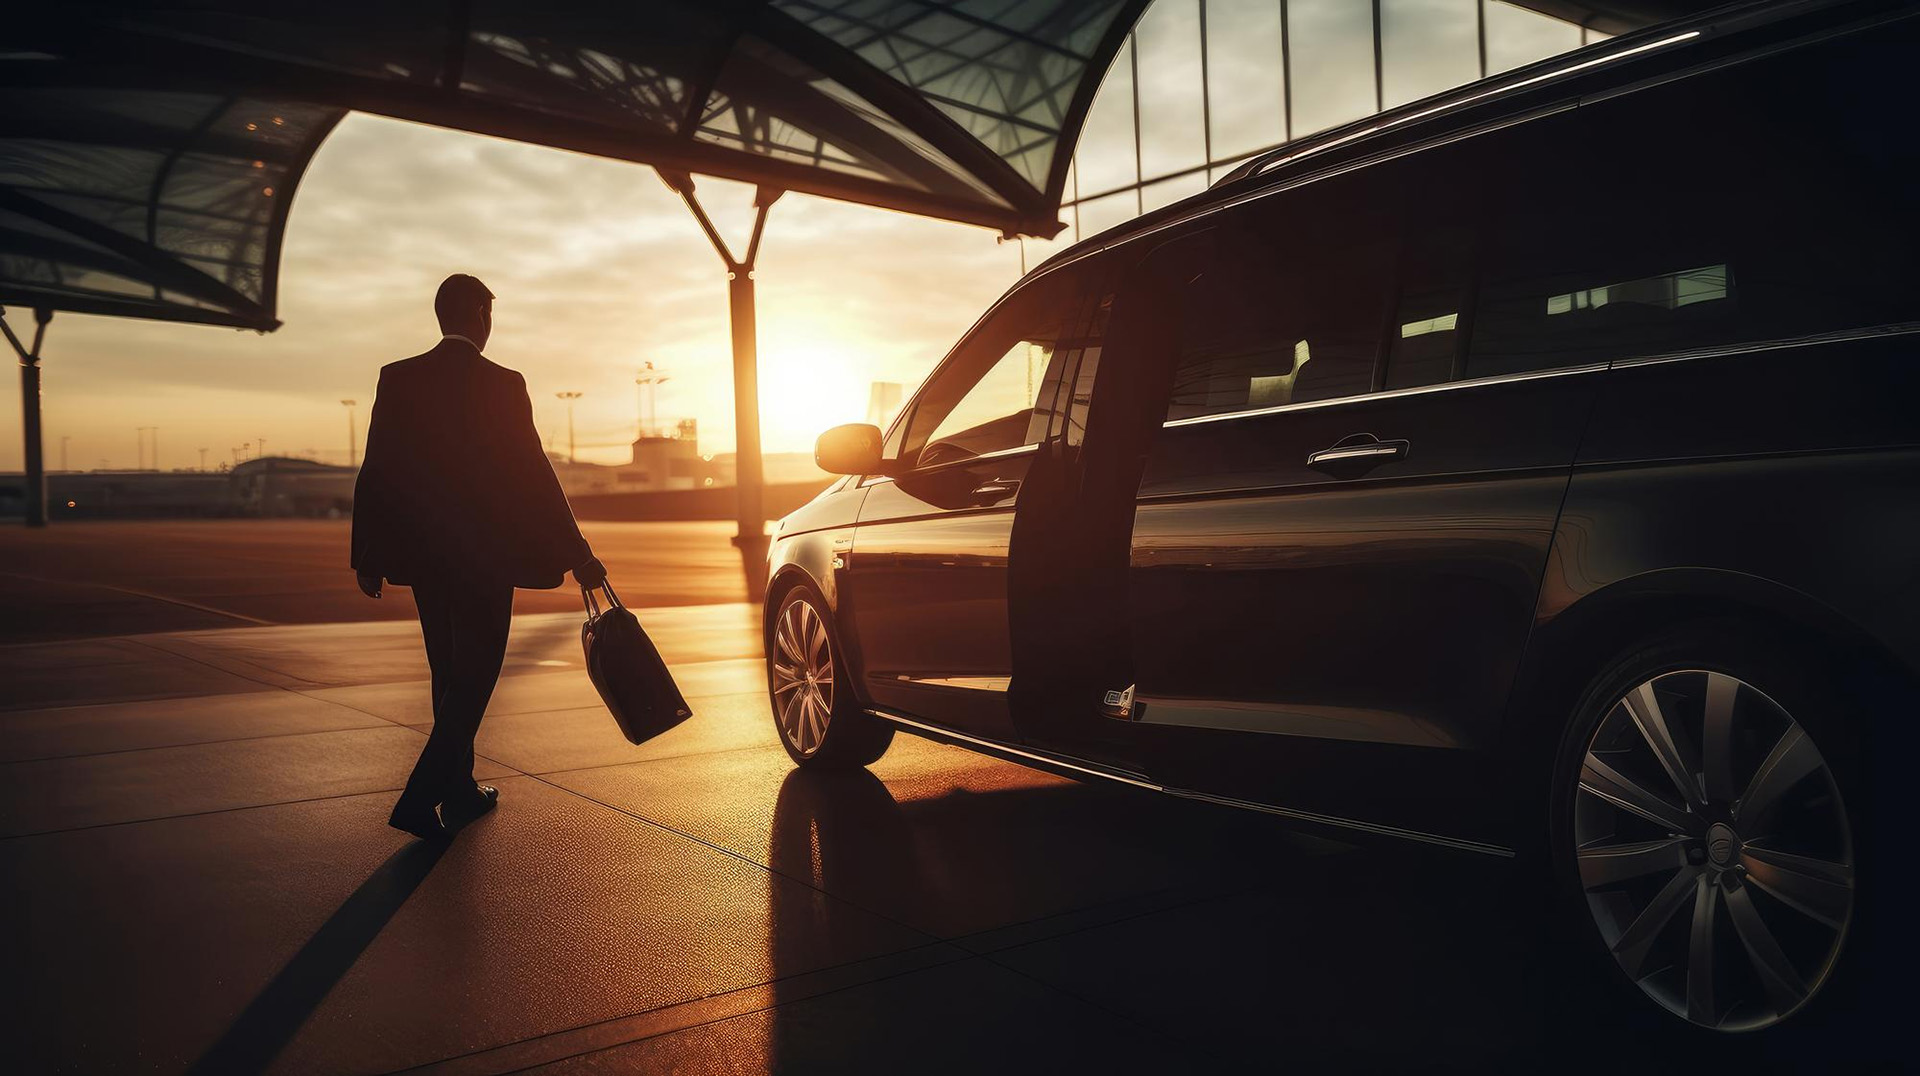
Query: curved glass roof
[[149, 151], [149, 204]]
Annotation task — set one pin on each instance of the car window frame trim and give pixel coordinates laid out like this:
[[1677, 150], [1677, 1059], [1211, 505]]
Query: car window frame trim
[[1874, 332], [996, 454]]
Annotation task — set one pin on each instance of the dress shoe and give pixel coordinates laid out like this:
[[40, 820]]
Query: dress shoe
[[462, 808], [422, 822]]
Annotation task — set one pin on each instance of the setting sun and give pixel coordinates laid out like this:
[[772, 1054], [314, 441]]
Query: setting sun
[[810, 384]]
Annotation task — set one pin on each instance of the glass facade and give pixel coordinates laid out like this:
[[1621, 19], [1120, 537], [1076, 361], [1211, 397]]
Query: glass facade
[[1202, 85]]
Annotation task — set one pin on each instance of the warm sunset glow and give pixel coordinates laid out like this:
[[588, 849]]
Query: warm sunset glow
[[808, 385]]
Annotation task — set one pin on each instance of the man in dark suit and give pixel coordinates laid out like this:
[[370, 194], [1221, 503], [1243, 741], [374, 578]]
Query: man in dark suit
[[457, 500]]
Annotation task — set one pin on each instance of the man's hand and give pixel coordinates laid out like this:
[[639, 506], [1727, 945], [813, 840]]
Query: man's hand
[[369, 585], [591, 574]]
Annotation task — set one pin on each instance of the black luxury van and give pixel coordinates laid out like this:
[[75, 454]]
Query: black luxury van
[[1531, 470]]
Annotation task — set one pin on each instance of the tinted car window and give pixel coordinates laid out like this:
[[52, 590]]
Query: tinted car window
[[1772, 199], [1819, 166], [998, 411], [1280, 312], [995, 391], [1423, 341], [1554, 289], [1571, 318]]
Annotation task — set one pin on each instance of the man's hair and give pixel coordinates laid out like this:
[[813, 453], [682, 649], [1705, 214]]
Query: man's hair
[[459, 294]]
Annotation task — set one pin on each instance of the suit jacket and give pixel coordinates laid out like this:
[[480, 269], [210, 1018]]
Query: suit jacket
[[455, 485]]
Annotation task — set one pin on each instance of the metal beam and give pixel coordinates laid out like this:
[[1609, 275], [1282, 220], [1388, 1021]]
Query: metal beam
[[35, 485], [1076, 118], [21, 121], [120, 59], [812, 111], [277, 228], [161, 268], [17, 294], [908, 107], [948, 11], [750, 533]]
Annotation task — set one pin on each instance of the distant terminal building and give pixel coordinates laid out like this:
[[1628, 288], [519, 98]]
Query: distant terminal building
[[660, 461], [665, 462], [670, 463], [665, 469], [285, 486], [271, 486]]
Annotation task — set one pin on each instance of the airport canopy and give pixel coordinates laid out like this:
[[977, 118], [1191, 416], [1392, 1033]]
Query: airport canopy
[[149, 151]]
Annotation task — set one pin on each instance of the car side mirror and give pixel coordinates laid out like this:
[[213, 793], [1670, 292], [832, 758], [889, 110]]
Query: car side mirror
[[850, 449]]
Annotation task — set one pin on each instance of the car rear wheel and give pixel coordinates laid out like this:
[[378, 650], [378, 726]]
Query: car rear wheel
[[821, 723], [1704, 826]]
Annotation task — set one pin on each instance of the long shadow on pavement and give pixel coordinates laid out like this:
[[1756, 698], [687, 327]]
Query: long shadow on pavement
[[271, 1020]]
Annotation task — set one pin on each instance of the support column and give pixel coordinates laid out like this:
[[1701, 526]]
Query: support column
[[750, 534], [35, 491]]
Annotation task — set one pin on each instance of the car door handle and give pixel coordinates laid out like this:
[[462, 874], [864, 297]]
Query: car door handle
[[999, 487], [993, 493], [1356, 454]]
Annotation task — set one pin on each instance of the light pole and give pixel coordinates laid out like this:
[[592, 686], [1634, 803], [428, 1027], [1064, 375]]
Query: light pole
[[569, 397], [203, 459], [649, 380], [260, 444], [140, 447], [353, 460]]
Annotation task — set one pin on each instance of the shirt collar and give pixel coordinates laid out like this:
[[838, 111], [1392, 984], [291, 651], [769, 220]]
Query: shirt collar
[[462, 339]]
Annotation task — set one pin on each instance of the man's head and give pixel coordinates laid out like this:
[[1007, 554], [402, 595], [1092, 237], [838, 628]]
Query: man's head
[[465, 308]]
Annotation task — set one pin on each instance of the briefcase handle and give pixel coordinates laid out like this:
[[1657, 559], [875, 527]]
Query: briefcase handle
[[593, 606]]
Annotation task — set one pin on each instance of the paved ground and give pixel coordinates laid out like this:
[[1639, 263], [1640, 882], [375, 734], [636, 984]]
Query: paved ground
[[78, 579], [195, 876]]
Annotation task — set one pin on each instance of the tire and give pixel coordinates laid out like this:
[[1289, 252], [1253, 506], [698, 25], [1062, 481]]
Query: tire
[[815, 713], [1717, 874]]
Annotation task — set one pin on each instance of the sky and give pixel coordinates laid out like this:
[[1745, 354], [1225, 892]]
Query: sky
[[597, 268]]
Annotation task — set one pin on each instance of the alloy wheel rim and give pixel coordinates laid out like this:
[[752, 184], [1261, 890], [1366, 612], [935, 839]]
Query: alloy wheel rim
[[802, 665], [1713, 849]]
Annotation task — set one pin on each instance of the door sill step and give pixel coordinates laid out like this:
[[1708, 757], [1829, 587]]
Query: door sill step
[[1064, 765], [1067, 766]]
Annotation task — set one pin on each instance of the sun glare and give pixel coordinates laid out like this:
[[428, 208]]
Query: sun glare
[[808, 385]]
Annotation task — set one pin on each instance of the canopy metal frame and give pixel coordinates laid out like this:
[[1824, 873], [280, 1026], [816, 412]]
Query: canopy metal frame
[[130, 53], [750, 534], [35, 493]]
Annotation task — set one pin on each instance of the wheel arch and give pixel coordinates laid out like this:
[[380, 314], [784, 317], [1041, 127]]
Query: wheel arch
[[784, 581], [1565, 653], [803, 558]]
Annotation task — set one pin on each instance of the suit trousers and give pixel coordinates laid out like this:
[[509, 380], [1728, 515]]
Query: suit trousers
[[465, 624]]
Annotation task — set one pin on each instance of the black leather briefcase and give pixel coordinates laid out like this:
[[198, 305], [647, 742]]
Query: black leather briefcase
[[627, 670]]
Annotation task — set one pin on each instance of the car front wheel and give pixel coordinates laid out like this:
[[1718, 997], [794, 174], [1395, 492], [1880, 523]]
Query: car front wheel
[[821, 723]]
